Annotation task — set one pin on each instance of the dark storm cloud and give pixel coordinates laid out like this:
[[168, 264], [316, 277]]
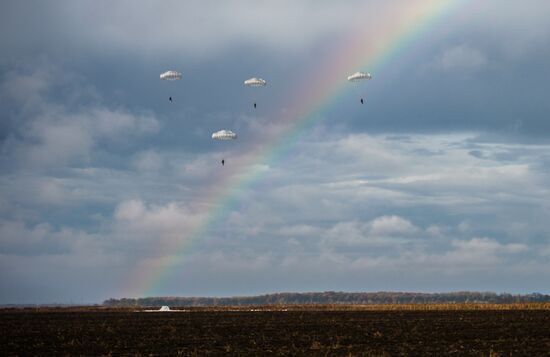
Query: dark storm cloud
[[482, 76]]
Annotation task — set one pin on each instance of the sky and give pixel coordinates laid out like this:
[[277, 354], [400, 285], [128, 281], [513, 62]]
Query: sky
[[439, 182]]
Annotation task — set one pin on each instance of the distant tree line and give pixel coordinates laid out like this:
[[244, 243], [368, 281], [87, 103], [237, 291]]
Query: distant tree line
[[333, 297]]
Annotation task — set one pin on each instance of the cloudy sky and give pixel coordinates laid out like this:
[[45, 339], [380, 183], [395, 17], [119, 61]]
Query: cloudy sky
[[440, 182]]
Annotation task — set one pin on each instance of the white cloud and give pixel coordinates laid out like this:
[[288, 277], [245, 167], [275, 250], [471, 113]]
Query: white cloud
[[61, 138], [56, 142], [461, 57], [130, 210], [474, 254], [52, 191], [195, 168], [148, 160], [300, 230], [381, 231], [436, 231], [339, 222], [160, 228], [391, 225]]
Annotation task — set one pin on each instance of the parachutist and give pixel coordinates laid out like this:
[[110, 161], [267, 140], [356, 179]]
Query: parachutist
[[360, 77], [170, 99], [255, 83], [224, 135]]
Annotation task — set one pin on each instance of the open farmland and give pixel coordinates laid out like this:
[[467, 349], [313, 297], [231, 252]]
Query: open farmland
[[460, 330]]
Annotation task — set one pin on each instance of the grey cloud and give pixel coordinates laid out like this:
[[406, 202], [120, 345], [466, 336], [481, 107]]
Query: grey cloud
[[102, 177], [456, 267], [189, 28], [43, 239], [62, 278], [55, 134], [521, 30]]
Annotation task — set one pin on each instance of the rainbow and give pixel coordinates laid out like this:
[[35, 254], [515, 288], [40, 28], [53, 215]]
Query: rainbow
[[369, 51]]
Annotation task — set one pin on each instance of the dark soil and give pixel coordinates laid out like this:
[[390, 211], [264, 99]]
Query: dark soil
[[324, 333]]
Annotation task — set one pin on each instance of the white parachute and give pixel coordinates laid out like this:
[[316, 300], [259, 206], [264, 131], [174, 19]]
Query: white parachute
[[224, 135], [255, 82], [360, 77], [170, 76]]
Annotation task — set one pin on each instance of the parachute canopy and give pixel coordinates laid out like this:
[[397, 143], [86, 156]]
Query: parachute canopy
[[224, 135], [359, 76], [170, 76], [255, 82]]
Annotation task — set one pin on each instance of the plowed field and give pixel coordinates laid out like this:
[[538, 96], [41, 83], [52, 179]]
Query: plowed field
[[263, 333]]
